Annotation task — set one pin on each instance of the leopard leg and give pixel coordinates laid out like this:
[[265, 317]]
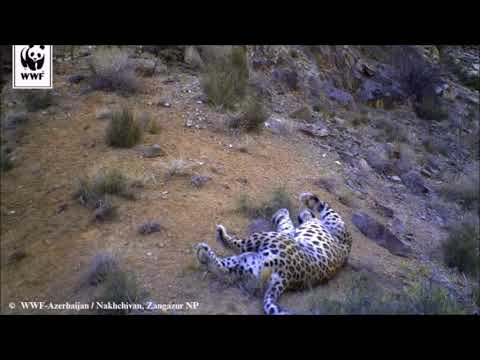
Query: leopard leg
[[283, 223], [237, 266], [238, 245], [270, 301]]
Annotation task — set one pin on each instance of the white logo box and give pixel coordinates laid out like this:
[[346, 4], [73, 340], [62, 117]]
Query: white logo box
[[32, 67]]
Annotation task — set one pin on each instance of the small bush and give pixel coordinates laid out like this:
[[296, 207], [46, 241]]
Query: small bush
[[252, 119], [430, 109], [360, 121], [6, 162], [113, 182], [460, 250], [112, 71], [225, 80], [123, 130], [120, 287], [107, 181], [417, 76], [102, 265], [464, 190], [391, 131], [35, 100], [278, 199]]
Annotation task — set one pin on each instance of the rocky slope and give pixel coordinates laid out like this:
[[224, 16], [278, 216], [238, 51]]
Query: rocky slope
[[341, 123]]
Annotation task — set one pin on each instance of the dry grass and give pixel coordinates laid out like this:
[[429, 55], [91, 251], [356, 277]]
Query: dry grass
[[364, 296], [460, 250], [225, 79], [252, 119], [35, 100], [464, 189], [277, 199], [123, 130], [111, 71]]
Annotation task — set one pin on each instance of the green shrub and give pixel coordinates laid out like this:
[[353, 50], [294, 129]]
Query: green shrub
[[225, 80], [35, 100], [252, 119], [123, 130], [429, 109], [278, 198], [460, 250]]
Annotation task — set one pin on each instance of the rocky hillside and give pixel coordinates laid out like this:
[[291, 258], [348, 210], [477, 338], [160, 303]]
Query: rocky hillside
[[110, 179]]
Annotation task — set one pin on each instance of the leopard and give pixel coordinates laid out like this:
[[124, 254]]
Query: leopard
[[289, 258]]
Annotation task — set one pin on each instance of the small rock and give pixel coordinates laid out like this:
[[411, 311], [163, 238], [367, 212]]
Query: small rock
[[16, 256], [12, 120], [304, 113], [103, 114], [149, 227], [395, 178], [75, 79], [198, 180], [426, 172], [383, 210], [153, 151], [363, 165]]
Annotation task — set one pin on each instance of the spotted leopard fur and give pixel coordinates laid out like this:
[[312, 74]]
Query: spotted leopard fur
[[288, 258]]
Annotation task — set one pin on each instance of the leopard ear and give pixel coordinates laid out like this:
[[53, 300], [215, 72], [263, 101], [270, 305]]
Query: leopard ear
[[42, 47], [309, 200]]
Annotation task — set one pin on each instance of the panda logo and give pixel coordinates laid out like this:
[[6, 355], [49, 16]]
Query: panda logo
[[33, 57]]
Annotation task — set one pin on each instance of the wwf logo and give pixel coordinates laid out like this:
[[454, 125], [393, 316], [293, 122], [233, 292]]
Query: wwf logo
[[33, 56], [32, 66]]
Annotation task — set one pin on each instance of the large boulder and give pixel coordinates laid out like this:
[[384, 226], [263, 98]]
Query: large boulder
[[414, 182], [381, 235]]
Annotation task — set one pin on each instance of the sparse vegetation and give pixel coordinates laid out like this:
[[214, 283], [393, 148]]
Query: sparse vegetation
[[460, 250], [418, 77], [463, 190], [391, 131], [360, 121], [225, 79], [35, 100], [112, 71], [429, 108], [279, 198], [435, 145], [123, 130], [118, 286], [95, 193], [252, 119], [6, 162], [364, 297], [102, 265], [113, 182], [346, 197], [178, 167]]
